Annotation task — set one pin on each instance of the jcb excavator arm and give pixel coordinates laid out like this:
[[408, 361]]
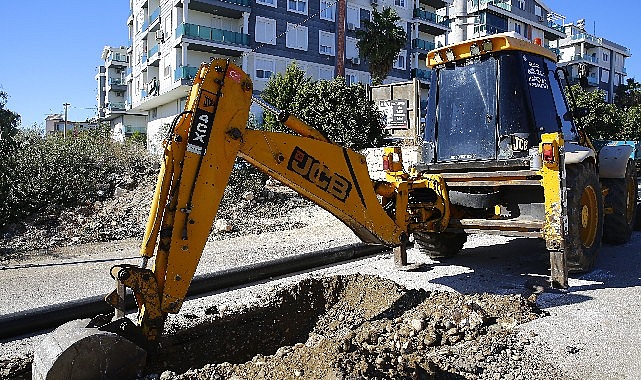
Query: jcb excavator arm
[[199, 155]]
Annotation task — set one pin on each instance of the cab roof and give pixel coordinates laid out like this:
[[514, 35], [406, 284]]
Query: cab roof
[[483, 45]]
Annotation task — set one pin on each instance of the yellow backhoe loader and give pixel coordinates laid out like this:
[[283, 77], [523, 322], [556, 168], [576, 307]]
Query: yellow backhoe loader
[[502, 152]]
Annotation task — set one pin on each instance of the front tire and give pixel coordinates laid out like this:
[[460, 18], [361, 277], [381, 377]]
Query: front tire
[[622, 198], [439, 245], [585, 216]]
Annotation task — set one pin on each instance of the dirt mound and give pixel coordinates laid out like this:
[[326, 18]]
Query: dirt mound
[[354, 327]]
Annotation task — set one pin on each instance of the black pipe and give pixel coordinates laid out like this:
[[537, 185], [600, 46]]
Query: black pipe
[[47, 317]]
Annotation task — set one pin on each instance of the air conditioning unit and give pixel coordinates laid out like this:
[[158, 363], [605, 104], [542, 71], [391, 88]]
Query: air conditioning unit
[[356, 61], [160, 35], [540, 18], [351, 26], [373, 2]]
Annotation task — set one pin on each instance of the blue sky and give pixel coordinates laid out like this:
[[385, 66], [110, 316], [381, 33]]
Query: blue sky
[[51, 49]]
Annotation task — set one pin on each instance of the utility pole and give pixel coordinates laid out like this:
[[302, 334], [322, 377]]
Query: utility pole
[[64, 133], [340, 38]]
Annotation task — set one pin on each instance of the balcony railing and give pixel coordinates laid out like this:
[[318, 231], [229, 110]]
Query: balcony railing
[[132, 129], [431, 17], [154, 15], [503, 4], [586, 36], [422, 74], [585, 57], [420, 44], [118, 106], [556, 51], [212, 34], [488, 29], [153, 50], [555, 26], [117, 57], [117, 81], [185, 72]]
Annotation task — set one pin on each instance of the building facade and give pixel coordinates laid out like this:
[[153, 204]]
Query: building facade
[[531, 19], [113, 94], [602, 60], [169, 39], [55, 123]]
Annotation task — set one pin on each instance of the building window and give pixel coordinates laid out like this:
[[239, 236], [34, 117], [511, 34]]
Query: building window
[[325, 42], [351, 79], [401, 61], [298, 6], [537, 11], [264, 68], [605, 57], [353, 17], [399, 3], [265, 30], [327, 9], [296, 37], [605, 76], [351, 50], [325, 73], [522, 4], [271, 3], [517, 27]]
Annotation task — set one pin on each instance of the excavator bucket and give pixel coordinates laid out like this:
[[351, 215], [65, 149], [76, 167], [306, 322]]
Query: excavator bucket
[[74, 351]]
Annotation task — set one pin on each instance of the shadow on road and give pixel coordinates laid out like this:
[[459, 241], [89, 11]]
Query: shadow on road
[[522, 266]]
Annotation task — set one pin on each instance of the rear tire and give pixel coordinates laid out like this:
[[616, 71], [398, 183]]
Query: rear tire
[[622, 198], [585, 217], [439, 245]]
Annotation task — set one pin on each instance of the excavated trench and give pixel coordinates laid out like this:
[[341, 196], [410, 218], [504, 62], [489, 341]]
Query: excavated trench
[[355, 327], [348, 327]]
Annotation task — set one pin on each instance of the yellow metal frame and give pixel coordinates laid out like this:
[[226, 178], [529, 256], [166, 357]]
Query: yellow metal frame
[[498, 43]]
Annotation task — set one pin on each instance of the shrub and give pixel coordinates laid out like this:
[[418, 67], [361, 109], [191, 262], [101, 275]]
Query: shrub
[[51, 173]]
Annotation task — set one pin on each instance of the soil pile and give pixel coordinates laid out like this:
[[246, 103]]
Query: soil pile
[[354, 327]]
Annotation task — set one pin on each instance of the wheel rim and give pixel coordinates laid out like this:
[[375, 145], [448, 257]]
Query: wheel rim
[[589, 217], [631, 199]]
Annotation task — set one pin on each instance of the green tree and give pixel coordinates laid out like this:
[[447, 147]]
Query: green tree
[[380, 41], [9, 122], [604, 121], [341, 112], [628, 94]]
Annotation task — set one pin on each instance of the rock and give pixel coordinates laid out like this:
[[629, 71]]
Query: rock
[[417, 324], [222, 225], [248, 196]]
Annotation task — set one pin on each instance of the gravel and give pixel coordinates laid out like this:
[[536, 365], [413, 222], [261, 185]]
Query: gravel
[[486, 314]]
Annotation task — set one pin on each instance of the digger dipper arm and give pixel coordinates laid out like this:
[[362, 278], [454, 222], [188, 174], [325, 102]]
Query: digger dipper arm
[[199, 157]]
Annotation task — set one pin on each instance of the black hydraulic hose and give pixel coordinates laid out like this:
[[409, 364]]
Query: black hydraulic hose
[[47, 317]]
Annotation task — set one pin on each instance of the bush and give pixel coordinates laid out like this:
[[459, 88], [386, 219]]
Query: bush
[[50, 173]]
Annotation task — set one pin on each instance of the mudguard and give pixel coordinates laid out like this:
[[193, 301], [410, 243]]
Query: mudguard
[[613, 160]]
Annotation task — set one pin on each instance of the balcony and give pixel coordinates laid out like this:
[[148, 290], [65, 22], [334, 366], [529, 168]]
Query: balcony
[[117, 59], [422, 45], [117, 106], [155, 15], [129, 129], [555, 26], [486, 29], [185, 72], [225, 8], [593, 81], [422, 74], [556, 51], [154, 57], [482, 4], [584, 58], [206, 33], [434, 24]]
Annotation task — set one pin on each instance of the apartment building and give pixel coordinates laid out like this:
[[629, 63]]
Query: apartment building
[[602, 60], [55, 123], [113, 94], [169, 39], [531, 19]]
